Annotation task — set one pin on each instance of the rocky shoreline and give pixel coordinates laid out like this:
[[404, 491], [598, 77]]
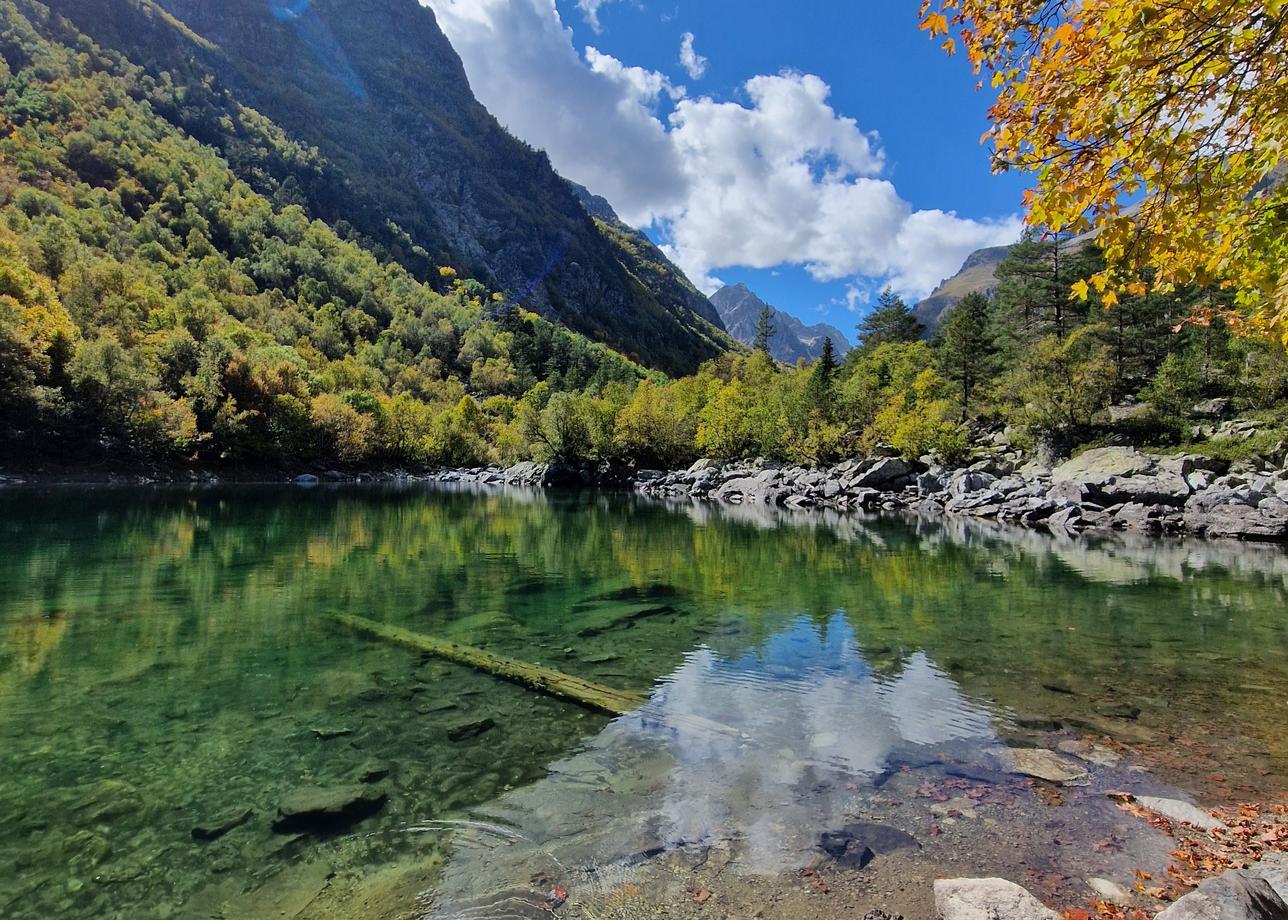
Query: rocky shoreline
[[1109, 488]]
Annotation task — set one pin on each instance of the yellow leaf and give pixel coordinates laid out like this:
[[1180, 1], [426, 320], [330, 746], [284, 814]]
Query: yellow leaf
[[1110, 299], [1080, 290]]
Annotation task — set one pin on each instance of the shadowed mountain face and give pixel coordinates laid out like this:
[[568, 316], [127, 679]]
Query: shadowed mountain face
[[740, 309], [403, 154]]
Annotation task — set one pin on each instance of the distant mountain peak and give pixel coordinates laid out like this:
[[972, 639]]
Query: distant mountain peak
[[740, 308]]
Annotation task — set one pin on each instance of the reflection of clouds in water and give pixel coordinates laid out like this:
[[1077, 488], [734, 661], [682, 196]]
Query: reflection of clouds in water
[[800, 716]]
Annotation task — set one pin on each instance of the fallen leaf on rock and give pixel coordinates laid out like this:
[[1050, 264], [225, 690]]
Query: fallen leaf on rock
[[702, 896]]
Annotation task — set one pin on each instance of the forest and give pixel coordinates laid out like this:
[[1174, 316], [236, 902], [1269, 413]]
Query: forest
[[155, 307]]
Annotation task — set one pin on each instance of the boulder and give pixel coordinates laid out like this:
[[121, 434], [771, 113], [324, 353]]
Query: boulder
[[305, 479], [1211, 408], [987, 899], [887, 474], [1239, 894], [319, 810], [1066, 519], [1100, 464], [1238, 521]]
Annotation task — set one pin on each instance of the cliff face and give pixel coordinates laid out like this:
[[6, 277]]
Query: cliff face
[[740, 309], [403, 154]]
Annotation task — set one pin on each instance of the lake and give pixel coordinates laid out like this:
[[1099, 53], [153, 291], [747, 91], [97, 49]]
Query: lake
[[168, 663]]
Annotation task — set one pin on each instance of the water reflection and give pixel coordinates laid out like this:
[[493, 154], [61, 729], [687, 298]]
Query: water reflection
[[795, 722], [758, 755], [170, 640]]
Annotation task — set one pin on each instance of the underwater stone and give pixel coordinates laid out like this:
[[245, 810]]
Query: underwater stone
[[987, 899], [213, 830], [314, 810], [1048, 766], [470, 730]]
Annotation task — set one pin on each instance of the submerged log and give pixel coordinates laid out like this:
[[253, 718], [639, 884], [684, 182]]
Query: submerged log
[[544, 680]]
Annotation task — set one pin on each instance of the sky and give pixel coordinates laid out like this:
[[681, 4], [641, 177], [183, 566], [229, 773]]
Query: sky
[[816, 150]]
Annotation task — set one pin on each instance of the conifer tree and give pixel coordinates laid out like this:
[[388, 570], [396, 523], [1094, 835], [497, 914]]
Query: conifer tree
[[891, 321]]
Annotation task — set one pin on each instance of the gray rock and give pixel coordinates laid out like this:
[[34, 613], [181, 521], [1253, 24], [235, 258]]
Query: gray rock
[[305, 479], [987, 899], [1211, 408], [1236, 895], [889, 473], [1066, 519], [930, 484], [1274, 869], [317, 810], [1238, 521], [1176, 810], [1101, 464]]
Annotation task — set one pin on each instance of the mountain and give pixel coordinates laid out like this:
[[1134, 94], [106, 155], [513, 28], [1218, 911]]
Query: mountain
[[644, 260], [977, 275], [156, 307], [740, 309], [394, 147]]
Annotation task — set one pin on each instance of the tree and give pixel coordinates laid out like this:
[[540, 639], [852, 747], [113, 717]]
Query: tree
[[820, 388], [891, 321], [764, 329], [1183, 106], [967, 354]]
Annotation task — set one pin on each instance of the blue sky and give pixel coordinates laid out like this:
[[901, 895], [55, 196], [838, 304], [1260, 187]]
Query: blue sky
[[822, 149]]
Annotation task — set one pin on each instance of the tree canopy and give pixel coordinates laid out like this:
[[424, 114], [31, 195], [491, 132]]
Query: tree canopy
[[1159, 125]]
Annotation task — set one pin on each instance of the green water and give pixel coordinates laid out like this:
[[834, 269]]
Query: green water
[[166, 662]]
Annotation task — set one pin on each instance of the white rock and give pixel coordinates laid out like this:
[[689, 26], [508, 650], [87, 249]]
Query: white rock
[[1177, 810], [987, 899], [1110, 891]]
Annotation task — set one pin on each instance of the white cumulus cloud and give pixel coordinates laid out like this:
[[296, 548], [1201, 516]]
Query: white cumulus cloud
[[590, 12], [773, 177], [694, 64]]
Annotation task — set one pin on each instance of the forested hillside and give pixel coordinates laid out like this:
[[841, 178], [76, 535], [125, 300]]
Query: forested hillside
[[153, 304], [399, 150]]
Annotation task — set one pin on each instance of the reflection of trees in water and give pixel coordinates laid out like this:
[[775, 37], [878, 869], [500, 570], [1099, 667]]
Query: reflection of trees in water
[[216, 560]]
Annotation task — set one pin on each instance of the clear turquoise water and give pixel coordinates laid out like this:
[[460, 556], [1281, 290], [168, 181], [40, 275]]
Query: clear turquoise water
[[165, 661]]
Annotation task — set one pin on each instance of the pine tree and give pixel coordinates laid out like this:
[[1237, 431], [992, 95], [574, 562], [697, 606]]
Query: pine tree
[[967, 354], [891, 321], [820, 387], [764, 329]]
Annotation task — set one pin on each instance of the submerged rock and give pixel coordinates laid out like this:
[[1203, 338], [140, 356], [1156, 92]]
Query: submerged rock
[[213, 830], [323, 810], [470, 730], [1047, 765], [1177, 810], [1110, 891], [987, 899], [856, 845]]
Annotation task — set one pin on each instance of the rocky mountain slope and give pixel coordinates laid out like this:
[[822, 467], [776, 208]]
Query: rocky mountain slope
[[393, 144], [977, 276], [739, 308]]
